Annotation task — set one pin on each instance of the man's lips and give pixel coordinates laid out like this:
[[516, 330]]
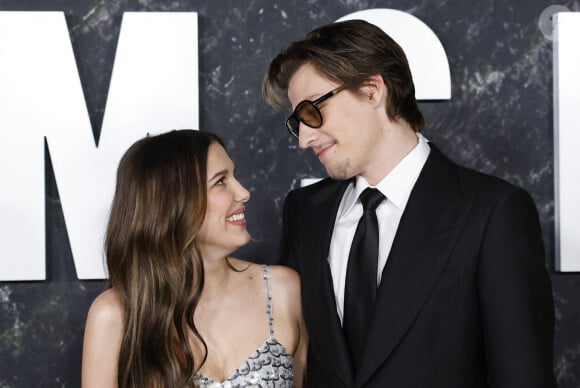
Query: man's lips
[[320, 151]]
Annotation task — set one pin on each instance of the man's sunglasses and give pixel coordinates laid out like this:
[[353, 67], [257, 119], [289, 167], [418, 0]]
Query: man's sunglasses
[[307, 112]]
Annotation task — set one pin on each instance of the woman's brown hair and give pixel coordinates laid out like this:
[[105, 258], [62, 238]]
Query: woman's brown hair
[[153, 261], [348, 53]]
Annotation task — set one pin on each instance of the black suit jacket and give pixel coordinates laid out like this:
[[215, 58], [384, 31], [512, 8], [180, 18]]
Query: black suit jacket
[[465, 300]]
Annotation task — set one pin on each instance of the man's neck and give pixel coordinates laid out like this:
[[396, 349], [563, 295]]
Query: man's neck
[[396, 143]]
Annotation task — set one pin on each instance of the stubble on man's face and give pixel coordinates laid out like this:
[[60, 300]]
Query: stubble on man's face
[[341, 170]]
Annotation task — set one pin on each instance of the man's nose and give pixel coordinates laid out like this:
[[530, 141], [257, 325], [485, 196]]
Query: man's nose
[[306, 135]]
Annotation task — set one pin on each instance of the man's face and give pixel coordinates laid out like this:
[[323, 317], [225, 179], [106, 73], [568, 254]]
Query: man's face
[[350, 127]]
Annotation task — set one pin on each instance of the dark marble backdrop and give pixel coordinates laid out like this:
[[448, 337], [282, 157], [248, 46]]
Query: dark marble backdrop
[[499, 120]]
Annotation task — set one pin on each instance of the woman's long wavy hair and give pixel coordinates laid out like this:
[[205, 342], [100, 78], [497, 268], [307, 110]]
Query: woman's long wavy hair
[[153, 261]]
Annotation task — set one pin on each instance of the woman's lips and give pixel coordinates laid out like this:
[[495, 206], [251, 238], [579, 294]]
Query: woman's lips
[[237, 218]]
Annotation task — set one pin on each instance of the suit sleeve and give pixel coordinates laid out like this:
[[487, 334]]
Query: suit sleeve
[[289, 230], [516, 297]]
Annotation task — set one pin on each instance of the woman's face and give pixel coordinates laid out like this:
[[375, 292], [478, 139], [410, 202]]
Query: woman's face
[[224, 227]]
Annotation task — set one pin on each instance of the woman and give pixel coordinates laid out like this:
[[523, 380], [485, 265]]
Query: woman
[[179, 311]]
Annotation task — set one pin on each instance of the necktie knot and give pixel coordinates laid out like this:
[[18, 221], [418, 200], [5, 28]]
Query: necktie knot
[[371, 199]]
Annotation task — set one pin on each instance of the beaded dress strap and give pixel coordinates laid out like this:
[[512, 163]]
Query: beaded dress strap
[[268, 299]]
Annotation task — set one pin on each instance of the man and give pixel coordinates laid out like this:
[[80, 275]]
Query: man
[[416, 272]]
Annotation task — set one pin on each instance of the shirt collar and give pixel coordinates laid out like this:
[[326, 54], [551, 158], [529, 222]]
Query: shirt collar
[[397, 184]]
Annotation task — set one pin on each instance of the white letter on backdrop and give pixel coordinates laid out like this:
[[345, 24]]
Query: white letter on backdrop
[[154, 88], [424, 51], [567, 140]]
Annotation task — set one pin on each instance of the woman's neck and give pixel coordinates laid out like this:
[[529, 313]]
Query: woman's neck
[[217, 274]]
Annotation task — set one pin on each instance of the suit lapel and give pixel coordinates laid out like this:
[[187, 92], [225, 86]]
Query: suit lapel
[[429, 227], [325, 330]]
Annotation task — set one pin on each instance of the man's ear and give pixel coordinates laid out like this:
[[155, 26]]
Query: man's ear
[[375, 90]]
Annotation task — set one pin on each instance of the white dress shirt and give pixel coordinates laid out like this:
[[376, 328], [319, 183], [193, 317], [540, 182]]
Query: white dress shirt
[[396, 186]]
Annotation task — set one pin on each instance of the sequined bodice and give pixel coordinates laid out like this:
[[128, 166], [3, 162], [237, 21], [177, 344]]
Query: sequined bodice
[[270, 366]]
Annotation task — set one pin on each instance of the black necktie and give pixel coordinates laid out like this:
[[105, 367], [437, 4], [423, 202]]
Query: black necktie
[[361, 275]]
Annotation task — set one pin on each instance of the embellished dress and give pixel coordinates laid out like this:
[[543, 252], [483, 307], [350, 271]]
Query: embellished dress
[[270, 366]]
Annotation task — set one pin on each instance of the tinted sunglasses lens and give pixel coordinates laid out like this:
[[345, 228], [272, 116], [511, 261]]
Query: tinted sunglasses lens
[[309, 114], [293, 124]]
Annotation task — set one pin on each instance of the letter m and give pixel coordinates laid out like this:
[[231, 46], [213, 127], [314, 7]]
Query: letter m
[[154, 88]]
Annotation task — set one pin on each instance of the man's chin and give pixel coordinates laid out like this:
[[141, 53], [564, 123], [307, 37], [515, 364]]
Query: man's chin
[[340, 172]]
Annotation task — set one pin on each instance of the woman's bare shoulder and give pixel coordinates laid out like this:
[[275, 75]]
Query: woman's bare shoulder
[[286, 280], [285, 273], [102, 341], [106, 310]]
